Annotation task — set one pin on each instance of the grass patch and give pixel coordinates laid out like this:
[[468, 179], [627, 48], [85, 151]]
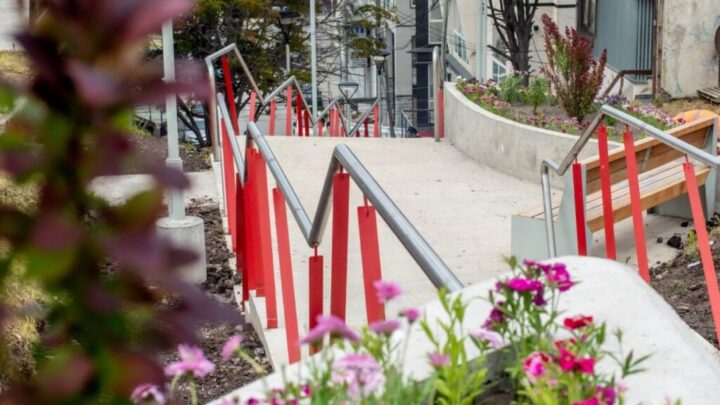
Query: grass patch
[[14, 65]]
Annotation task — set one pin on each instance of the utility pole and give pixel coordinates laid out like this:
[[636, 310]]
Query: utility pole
[[313, 59]]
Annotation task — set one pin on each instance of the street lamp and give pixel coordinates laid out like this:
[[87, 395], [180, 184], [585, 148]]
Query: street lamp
[[380, 59], [348, 90], [286, 18]]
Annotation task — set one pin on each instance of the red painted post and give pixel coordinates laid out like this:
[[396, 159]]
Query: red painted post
[[264, 241], [315, 289], [273, 106], [638, 225], [241, 257], [338, 265], [251, 111], [703, 244], [606, 190], [298, 102], [370, 253], [255, 281], [579, 209], [288, 111], [307, 122], [286, 277], [320, 127], [367, 133], [376, 121], [334, 123], [230, 94], [442, 113], [229, 177]]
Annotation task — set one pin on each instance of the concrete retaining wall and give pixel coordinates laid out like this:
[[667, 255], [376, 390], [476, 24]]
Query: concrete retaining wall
[[505, 145]]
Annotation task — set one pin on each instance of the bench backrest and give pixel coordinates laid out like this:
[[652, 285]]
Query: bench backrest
[[650, 153]]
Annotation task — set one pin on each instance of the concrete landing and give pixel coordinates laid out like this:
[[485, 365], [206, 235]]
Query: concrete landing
[[682, 365]]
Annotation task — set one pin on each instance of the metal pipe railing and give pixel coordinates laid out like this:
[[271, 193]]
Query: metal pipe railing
[[608, 111]]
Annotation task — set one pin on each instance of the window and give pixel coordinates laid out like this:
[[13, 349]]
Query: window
[[435, 22], [459, 46], [412, 3], [588, 13]]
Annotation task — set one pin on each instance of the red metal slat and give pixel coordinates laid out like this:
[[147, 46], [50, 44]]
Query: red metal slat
[[320, 127], [288, 111], [229, 179], [338, 265], [315, 289], [241, 262], [606, 190], [298, 104], [273, 107], [376, 121], [370, 253], [366, 123], [255, 281], [307, 122], [703, 243], [251, 111], [286, 277], [637, 211], [230, 93], [265, 241], [579, 198], [441, 105]]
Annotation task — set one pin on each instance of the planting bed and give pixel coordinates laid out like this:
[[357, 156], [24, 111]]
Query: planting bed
[[153, 149]]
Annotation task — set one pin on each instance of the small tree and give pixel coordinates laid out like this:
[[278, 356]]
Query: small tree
[[575, 75], [513, 21]]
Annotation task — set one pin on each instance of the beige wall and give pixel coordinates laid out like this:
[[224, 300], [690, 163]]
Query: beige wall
[[689, 60]]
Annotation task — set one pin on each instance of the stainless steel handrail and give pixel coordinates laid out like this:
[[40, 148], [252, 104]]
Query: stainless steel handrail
[[362, 118], [432, 265], [561, 169]]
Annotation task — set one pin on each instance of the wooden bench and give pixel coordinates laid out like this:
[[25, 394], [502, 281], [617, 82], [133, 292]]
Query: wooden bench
[[662, 187]]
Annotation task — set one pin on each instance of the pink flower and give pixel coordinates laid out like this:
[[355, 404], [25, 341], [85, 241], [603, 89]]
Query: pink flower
[[534, 365], [496, 317], [484, 335], [332, 325], [566, 361], [359, 373], [558, 275], [231, 347], [412, 314], [438, 360], [589, 401], [386, 290], [521, 284], [305, 391], [192, 360], [385, 327], [608, 394], [230, 401], [586, 365], [577, 322], [148, 392]]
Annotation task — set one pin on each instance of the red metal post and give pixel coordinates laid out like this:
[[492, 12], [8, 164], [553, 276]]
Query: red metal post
[[273, 106], [370, 253], [338, 265], [229, 177], [376, 121], [316, 291], [307, 122], [299, 107], [579, 209], [703, 244], [264, 241], [334, 123], [366, 123], [606, 191], [637, 211], [442, 113], [320, 127], [230, 94], [288, 111], [251, 111], [255, 281], [241, 257], [286, 277]]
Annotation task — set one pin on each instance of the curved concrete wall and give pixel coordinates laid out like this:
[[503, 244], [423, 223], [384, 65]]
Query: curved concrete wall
[[505, 145]]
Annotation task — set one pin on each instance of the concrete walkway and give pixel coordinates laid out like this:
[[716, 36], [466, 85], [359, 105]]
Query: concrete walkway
[[118, 189]]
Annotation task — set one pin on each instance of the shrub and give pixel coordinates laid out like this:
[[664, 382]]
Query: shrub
[[536, 93], [575, 75], [509, 88]]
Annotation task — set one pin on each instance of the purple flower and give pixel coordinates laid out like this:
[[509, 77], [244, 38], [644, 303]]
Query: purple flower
[[521, 284], [539, 298], [231, 347], [485, 335], [359, 373], [438, 360], [332, 325], [386, 290], [496, 317], [385, 327], [148, 392], [412, 314], [192, 360], [558, 275]]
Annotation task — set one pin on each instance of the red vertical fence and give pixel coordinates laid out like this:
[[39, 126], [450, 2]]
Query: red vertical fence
[[299, 114], [273, 107], [229, 179], [370, 252], [288, 111], [376, 121], [341, 206], [230, 94], [637, 211], [251, 110], [606, 190], [315, 290], [579, 198]]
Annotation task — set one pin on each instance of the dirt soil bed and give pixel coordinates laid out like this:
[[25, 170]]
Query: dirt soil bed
[[154, 149], [235, 373], [681, 282]]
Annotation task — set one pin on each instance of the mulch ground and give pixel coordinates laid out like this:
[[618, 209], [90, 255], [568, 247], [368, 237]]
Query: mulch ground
[[153, 149], [235, 373], [681, 282]]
